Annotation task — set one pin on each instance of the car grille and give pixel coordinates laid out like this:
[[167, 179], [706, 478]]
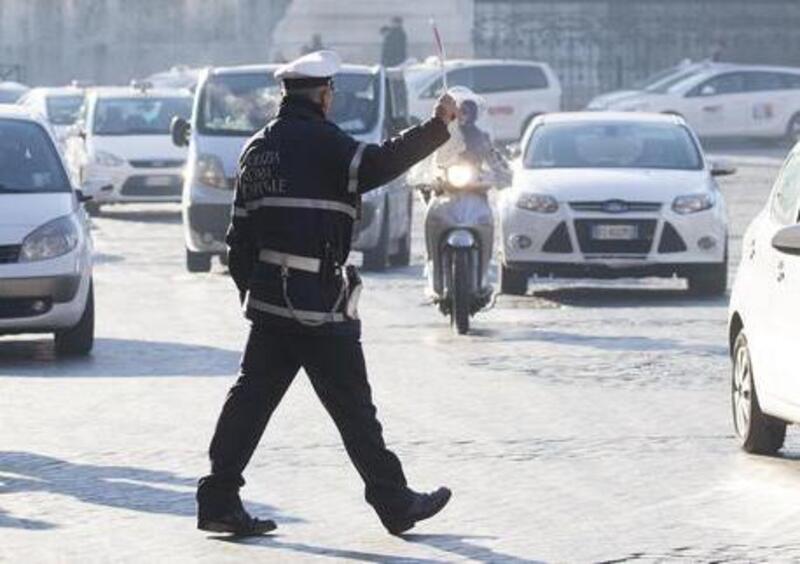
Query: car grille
[[157, 163], [9, 253], [138, 186], [15, 308], [615, 206], [639, 246]]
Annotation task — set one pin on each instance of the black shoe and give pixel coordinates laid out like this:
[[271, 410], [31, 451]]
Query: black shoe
[[237, 522], [424, 506]]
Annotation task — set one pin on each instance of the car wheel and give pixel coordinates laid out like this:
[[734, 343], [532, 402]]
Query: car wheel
[[513, 282], [78, 340], [793, 129], [711, 281], [92, 208], [757, 432], [198, 262], [375, 258], [403, 255]]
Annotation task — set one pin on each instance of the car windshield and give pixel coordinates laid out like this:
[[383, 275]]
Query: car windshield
[[241, 104], [663, 86], [29, 162], [612, 145], [64, 109], [139, 115]]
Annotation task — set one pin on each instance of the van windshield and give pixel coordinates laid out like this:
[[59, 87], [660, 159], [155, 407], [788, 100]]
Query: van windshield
[[240, 104], [64, 109]]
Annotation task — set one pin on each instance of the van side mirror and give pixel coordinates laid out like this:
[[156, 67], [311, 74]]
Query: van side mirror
[[787, 240], [179, 129], [82, 196], [722, 168]]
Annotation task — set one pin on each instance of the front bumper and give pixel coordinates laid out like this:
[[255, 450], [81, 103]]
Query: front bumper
[[131, 184], [563, 244]]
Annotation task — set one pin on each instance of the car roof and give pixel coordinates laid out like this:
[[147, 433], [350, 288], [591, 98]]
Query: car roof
[[24, 113], [596, 117], [131, 92], [432, 63], [57, 90]]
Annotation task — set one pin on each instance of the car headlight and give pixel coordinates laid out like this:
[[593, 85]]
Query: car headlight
[[51, 240], [540, 203], [105, 158], [460, 175], [209, 172], [693, 203]]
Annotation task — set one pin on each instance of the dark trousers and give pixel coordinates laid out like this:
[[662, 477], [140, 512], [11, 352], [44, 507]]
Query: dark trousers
[[335, 365]]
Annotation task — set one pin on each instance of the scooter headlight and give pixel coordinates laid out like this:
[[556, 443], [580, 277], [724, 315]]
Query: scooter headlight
[[460, 175]]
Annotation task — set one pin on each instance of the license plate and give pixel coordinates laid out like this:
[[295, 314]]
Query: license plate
[[158, 181], [615, 232]]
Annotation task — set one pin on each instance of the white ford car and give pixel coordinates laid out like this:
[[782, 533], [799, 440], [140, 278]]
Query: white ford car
[[764, 309], [613, 195], [726, 100], [124, 152], [45, 245]]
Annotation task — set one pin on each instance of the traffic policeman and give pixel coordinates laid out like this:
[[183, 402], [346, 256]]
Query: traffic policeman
[[297, 195]]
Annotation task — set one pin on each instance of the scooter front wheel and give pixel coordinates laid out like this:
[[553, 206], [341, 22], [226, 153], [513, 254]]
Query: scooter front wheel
[[459, 311]]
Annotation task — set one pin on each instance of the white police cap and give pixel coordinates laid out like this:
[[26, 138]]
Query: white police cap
[[314, 69]]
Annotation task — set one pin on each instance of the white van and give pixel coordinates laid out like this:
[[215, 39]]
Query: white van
[[515, 91], [232, 103]]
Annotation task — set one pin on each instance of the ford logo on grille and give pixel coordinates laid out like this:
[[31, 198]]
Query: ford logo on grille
[[615, 206]]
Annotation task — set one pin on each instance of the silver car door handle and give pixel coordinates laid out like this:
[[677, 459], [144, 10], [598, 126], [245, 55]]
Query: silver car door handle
[[714, 108]]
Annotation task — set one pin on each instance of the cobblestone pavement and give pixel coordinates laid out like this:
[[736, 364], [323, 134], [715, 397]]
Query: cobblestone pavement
[[584, 422]]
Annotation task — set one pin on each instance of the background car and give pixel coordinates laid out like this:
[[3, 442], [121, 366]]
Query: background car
[[45, 245], [728, 100], [613, 195], [123, 151], [61, 106], [232, 103], [515, 91], [11, 92], [764, 308]]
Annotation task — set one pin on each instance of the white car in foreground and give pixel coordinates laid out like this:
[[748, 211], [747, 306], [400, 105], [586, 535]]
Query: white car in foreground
[[764, 309], [45, 245], [726, 100], [613, 195], [515, 91], [124, 151]]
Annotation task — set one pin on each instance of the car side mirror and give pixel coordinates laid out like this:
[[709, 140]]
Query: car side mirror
[[82, 196], [722, 168], [514, 150], [787, 240], [179, 129]]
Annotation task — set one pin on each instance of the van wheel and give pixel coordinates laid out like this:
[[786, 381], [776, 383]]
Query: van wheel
[[757, 432], [375, 258], [403, 255], [793, 129], [92, 208], [513, 282], [78, 340], [198, 262]]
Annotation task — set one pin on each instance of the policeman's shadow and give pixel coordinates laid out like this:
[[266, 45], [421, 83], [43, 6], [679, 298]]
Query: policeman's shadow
[[123, 487], [8, 521], [460, 546], [116, 358]]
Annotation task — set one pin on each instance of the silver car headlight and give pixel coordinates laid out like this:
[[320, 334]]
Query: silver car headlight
[[693, 203], [104, 158], [210, 172], [51, 240], [540, 203]]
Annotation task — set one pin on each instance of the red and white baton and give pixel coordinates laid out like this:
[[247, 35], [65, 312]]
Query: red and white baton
[[440, 51]]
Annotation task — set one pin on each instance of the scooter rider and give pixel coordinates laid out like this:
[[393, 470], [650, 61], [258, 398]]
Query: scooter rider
[[297, 196], [478, 147]]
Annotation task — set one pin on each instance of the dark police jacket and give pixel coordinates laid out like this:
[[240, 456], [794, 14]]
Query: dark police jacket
[[297, 195]]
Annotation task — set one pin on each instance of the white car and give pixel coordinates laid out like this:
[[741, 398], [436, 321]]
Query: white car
[[515, 91], [613, 195], [45, 245], [123, 151], [61, 106], [728, 100], [232, 103], [658, 81], [764, 308]]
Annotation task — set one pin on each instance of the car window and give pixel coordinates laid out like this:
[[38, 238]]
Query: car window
[[663, 86], [29, 162], [457, 77], [612, 145], [139, 115], [760, 81], [786, 192], [64, 109], [790, 81], [729, 83], [506, 78]]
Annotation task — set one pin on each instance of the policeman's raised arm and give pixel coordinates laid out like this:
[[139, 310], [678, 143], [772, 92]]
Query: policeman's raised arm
[[373, 165]]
